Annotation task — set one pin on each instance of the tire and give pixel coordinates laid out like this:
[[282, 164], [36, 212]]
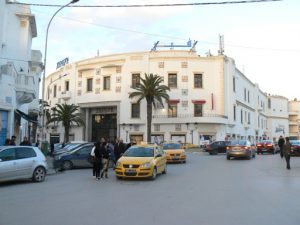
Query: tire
[[67, 165], [154, 174], [165, 170], [39, 174], [228, 157]]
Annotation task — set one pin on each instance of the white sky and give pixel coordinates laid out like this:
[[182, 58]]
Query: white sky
[[262, 38]]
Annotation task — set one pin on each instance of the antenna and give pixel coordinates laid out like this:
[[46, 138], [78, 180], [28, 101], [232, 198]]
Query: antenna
[[221, 45]]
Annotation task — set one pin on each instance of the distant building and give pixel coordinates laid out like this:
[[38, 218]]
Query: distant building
[[209, 99], [294, 119], [20, 69]]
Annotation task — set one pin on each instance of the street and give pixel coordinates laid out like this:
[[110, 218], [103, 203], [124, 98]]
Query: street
[[207, 190]]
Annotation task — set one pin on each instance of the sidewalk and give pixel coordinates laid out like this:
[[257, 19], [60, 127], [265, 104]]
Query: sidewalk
[[50, 170]]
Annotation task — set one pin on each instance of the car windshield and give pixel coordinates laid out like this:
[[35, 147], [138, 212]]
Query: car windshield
[[172, 146], [295, 142], [71, 146], [238, 142], [137, 151]]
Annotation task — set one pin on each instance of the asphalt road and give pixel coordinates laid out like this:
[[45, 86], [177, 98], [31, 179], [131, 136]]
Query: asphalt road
[[207, 190]]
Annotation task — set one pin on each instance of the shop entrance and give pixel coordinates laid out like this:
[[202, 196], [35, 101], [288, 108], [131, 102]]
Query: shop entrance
[[104, 125]]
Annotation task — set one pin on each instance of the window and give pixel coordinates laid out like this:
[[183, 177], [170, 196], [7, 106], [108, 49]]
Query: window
[[135, 80], [241, 116], [233, 84], [89, 85], [8, 154], [67, 86], [249, 118], [106, 83], [172, 80], [245, 94], [234, 113], [24, 153], [135, 110], [249, 96], [198, 110], [172, 110], [54, 91], [269, 103], [198, 81]]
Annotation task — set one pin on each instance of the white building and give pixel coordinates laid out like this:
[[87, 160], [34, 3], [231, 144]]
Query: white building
[[294, 119], [209, 99], [20, 69]]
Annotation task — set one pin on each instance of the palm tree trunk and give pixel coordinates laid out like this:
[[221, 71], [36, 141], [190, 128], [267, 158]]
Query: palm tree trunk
[[149, 121], [67, 131]]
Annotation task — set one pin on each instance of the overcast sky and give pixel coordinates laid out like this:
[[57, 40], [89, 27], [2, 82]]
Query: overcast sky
[[262, 38]]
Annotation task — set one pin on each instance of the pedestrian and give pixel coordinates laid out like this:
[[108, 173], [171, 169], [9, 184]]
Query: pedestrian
[[119, 149], [25, 142], [7, 141], [98, 159], [52, 149], [105, 158], [280, 144], [92, 159], [12, 140], [287, 152]]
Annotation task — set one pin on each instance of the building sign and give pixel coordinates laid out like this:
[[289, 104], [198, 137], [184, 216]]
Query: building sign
[[62, 63]]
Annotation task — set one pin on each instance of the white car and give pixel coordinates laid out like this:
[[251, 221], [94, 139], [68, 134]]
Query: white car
[[22, 162]]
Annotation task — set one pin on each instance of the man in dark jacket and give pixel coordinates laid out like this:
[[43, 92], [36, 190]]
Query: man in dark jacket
[[280, 144], [287, 152], [25, 142], [119, 149]]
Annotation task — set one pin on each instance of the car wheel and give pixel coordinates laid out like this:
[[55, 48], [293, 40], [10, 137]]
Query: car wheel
[[39, 174], [67, 165], [165, 170], [228, 157], [154, 174]]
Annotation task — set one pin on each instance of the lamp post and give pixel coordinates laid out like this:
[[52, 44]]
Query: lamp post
[[45, 61]]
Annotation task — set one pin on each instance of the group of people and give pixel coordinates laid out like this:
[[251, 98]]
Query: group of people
[[100, 156], [12, 141], [285, 150]]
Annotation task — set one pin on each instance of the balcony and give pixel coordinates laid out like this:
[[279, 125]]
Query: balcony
[[66, 95], [25, 89], [190, 118], [293, 113], [292, 123]]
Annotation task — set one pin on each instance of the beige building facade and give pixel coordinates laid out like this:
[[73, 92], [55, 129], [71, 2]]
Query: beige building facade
[[210, 99]]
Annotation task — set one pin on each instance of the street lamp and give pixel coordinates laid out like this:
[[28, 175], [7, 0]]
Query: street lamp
[[45, 61]]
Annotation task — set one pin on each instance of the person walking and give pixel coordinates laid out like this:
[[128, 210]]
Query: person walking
[[119, 149], [280, 144], [25, 142], [287, 152], [105, 158], [98, 160]]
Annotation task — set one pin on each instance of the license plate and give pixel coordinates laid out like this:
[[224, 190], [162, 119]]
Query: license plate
[[130, 171]]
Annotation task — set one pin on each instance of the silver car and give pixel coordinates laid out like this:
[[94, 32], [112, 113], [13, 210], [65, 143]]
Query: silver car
[[22, 162]]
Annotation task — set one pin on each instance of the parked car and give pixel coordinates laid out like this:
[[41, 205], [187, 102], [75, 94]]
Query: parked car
[[78, 157], [217, 147], [142, 161], [241, 149], [295, 151], [69, 147], [174, 152], [266, 146], [22, 162]]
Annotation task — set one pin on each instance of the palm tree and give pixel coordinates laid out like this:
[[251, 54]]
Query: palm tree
[[68, 116], [150, 89]]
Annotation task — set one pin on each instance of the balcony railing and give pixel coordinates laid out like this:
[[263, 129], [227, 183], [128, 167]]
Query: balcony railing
[[25, 88], [210, 115]]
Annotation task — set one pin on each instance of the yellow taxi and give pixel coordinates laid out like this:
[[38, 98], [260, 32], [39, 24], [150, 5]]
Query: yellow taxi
[[142, 161], [174, 152], [189, 145]]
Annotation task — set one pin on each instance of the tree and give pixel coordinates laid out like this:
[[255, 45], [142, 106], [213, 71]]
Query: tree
[[150, 89], [68, 116]]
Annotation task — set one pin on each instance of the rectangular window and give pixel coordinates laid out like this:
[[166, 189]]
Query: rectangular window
[[249, 96], [245, 94], [106, 83], [198, 110], [269, 103], [241, 116], [249, 118], [89, 84], [172, 81], [135, 80], [198, 83], [67, 86], [54, 91], [172, 110], [233, 84], [234, 113], [135, 110]]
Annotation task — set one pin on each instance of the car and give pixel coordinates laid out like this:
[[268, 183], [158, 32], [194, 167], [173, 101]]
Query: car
[[22, 162], [266, 146], [295, 151], [217, 147], [189, 145], [68, 147], [76, 158], [142, 161], [174, 152], [240, 149]]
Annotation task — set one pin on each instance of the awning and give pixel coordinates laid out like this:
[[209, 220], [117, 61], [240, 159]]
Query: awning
[[25, 116], [198, 101], [173, 101]]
